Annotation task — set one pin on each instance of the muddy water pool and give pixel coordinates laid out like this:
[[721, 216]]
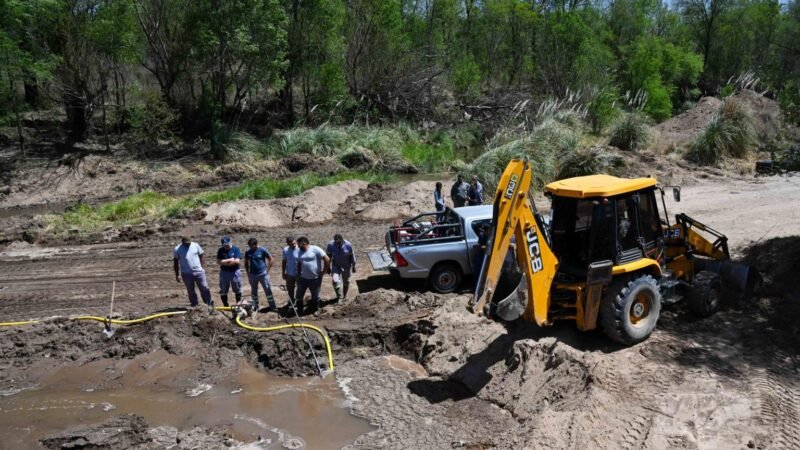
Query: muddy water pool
[[249, 405]]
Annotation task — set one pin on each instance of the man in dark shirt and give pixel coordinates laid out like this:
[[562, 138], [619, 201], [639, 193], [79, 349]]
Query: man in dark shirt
[[459, 192], [343, 262], [257, 262], [475, 192], [229, 258]]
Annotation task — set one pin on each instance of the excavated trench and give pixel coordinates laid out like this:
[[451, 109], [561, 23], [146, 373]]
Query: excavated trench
[[194, 379]]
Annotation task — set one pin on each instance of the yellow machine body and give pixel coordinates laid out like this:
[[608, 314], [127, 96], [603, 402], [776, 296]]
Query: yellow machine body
[[519, 230]]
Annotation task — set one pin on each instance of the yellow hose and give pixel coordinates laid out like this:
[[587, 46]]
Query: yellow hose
[[131, 321], [294, 325], [14, 324], [175, 313]]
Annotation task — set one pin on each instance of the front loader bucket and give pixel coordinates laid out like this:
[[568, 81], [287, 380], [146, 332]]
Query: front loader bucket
[[743, 277]]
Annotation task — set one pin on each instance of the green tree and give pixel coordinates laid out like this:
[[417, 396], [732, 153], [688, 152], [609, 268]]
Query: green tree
[[315, 53], [241, 46], [24, 60]]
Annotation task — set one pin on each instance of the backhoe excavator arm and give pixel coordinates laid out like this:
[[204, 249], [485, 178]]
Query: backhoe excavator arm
[[514, 216]]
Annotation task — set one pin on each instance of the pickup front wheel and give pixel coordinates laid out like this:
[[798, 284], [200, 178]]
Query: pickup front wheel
[[445, 278]]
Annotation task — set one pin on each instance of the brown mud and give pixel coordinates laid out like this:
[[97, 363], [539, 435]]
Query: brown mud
[[417, 366]]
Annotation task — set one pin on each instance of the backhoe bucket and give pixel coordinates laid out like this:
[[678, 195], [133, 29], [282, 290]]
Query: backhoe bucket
[[510, 298], [743, 277]]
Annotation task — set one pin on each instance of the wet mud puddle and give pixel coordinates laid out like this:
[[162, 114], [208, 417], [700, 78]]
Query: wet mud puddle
[[249, 405]]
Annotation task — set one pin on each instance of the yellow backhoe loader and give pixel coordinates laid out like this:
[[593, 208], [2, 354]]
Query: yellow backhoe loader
[[606, 258]]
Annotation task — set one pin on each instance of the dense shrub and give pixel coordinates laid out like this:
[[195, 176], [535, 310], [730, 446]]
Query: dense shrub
[[630, 132], [730, 133]]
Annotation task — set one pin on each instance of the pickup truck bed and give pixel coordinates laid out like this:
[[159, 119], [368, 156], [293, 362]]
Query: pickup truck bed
[[438, 247]]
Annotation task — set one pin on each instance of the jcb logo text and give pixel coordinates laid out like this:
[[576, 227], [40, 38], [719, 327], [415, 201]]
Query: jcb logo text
[[534, 252], [511, 186]]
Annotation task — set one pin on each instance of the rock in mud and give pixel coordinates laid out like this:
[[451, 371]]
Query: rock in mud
[[125, 431]]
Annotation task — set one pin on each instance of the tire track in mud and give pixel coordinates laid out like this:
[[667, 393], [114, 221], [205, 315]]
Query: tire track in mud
[[778, 391]]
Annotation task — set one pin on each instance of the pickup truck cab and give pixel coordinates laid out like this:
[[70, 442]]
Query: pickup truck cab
[[437, 247]]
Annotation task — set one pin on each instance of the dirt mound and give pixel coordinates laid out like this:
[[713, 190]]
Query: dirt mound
[[766, 112], [685, 127], [381, 201], [777, 259], [389, 304], [316, 205], [310, 163], [402, 201]]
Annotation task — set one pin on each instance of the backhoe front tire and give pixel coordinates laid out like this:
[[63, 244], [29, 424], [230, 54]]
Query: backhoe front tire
[[445, 278], [706, 294], [630, 309]]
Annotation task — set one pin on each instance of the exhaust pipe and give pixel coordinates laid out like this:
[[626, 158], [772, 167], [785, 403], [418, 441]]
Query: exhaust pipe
[[745, 278]]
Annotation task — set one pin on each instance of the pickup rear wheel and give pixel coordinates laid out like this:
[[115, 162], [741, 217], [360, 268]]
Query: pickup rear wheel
[[445, 278]]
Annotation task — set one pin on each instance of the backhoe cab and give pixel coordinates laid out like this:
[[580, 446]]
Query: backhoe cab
[[606, 258]]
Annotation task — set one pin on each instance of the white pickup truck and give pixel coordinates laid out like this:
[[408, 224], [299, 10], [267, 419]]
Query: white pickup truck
[[437, 247]]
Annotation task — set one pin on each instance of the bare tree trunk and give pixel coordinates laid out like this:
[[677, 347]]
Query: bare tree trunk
[[32, 93], [105, 128], [12, 95], [75, 107]]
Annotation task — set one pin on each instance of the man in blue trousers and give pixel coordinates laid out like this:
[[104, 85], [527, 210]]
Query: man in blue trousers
[[230, 274], [188, 264]]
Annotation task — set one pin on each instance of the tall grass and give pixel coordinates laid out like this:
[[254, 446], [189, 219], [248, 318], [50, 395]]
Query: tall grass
[[630, 132], [429, 158], [589, 161], [544, 147], [149, 206], [730, 133]]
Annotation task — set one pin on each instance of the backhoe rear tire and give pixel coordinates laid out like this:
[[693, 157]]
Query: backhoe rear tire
[[706, 294], [630, 309]]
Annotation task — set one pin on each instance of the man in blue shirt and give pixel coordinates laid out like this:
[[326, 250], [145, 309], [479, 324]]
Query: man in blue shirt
[[312, 265], [343, 261], [289, 266], [230, 275], [188, 264], [257, 262]]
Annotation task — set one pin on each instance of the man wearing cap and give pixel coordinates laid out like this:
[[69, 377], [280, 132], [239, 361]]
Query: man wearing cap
[[230, 275], [343, 261], [289, 266], [312, 265], [188, 264], [257, 262]]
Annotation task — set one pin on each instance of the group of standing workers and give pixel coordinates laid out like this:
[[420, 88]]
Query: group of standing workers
[[303, 267], [462, 193]]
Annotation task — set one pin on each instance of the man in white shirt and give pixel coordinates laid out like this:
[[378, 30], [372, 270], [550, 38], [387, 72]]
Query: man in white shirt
[[312, 265], [188, 264]]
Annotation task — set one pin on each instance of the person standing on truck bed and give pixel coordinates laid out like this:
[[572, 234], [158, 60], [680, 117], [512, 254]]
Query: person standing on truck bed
[[230, 275], [475, 192], [188, 264], [438, 201], [460, 192], [312, 265], [343, 261], [257, 262]]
